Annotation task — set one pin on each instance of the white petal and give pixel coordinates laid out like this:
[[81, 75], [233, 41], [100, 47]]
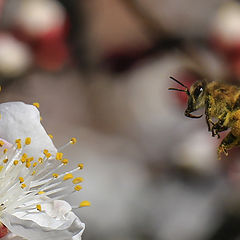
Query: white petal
[[11, 236], [45, 225], [20, 120]]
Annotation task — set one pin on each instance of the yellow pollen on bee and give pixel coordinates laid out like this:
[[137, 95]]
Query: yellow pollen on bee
[[39, 207], [1, 143], [78, 188], [55, 175], [59, 156], [28, 164], [35, 164], [73, 140], [85, 204], [33, 173], [81, 165], [50, 135], [41, 192], [36, 104], [5, 150], [28, 141], [23, 185], [67, 176], [21, 179], [5, 160], [19, 145], [65, 161], [25, 155], [77, 180], [15, 162]]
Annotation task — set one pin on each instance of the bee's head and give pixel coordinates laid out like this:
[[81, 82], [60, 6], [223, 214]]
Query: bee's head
[[196, 96]]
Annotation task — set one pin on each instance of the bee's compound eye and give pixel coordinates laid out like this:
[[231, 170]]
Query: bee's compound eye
[[198, 91]]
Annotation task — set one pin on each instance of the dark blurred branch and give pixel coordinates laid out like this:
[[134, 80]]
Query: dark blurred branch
[[152, 27]]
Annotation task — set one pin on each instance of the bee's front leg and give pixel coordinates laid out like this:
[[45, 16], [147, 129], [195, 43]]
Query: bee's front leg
[[227, 143]]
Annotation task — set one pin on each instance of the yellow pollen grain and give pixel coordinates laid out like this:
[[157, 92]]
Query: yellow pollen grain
[[28, 164], [59, 156], [23, 185], [35, 164], [5, 160], [67, 176], [1, 143], [23, 159], [33, 173], [1, 168], [41, 192], [5, 150], [81, 165], [25, 155], [55, 175], [41, 118], [50, 135], [65, 161], [78, 188], [28, 141], [15, 162], [73, 140], [19, 145], [40, 160], [77, 180], [36, 104], [39, 207], [85, 204], [21, 179]]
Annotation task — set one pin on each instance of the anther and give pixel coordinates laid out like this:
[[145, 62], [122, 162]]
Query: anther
[[77, 180], [67, 176], [28, 141], [39, 208], [36, 104], [59, 156], [85, 204], [73, 140], [78, 188]]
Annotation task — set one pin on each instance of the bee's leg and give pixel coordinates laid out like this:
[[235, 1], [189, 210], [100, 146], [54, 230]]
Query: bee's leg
[[208, 122], [227, 143], [207, 110]]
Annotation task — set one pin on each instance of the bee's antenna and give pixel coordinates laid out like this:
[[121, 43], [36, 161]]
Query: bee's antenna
[[174, 79], [176, 89], [180, 90]]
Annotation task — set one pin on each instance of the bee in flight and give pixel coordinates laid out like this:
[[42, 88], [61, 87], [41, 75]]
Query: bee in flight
[[222, 103]]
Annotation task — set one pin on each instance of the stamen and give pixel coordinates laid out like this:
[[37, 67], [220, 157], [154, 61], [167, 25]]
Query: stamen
[[39, 208]]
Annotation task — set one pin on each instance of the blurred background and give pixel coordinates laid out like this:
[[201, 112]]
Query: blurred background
[[100, 71]]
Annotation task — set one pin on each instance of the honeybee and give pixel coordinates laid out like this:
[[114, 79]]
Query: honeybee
[[222, 104]]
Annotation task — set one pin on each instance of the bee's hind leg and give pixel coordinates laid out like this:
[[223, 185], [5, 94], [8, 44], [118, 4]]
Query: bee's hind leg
[[227, 143]]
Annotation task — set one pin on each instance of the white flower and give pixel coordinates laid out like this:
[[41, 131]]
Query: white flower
[[31, 182]]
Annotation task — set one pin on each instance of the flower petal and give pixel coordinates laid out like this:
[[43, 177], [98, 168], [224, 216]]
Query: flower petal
[[20, 120], [41, 225]]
